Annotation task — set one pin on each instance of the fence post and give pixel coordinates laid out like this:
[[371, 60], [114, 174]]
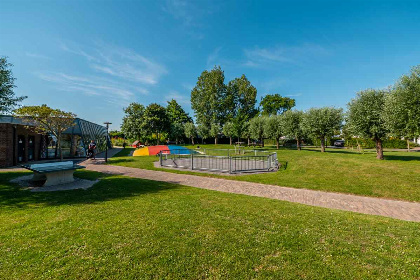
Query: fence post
[[230, 165], [192, 161], [160, 158]]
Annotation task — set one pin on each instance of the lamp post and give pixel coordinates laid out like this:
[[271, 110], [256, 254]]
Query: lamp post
[[106, 141]]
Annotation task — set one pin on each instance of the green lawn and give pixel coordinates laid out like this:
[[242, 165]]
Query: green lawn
[[126, 228], [346, 171]]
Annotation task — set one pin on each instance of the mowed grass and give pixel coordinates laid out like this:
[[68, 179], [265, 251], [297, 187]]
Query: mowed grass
[[126, 228], [337, 170]]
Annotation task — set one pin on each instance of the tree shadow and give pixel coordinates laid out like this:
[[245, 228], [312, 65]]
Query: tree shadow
[[120, 160], [403, 158], [108, 188]]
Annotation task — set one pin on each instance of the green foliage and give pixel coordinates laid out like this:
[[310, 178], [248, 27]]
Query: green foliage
[[275, 104], [8, 99], [214, 130], [176, 131], [402, 106], [322, 122], [241, 100], [229, 130], [365, 115], [156, 120], [208, 98], [203, 131], [367, 143], [256, 127], [190, 131], [176, 113], [116, 133], [133, 122], [292, 120], [48, 120], [273, 128]]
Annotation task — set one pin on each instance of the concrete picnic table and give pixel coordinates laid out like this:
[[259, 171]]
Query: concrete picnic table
[[54, 173]]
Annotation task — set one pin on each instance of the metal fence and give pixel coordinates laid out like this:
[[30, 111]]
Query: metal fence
[[228, 162]]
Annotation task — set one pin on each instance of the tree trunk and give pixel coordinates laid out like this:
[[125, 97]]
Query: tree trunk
[[322, 144], [262, 142], [157, 137], [192, 140], [277, 143], [215, 140], [408, 145], [249, 141], [177, 140], [379, 149], [298, 144], [230, 140]]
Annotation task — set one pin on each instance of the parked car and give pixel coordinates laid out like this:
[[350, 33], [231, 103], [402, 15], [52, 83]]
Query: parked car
[[339, 143]]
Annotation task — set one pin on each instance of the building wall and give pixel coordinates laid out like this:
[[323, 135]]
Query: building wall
[[6, 145], [9, 144]]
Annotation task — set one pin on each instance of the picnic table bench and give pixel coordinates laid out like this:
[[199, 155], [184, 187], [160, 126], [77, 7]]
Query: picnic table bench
[[54, 173]]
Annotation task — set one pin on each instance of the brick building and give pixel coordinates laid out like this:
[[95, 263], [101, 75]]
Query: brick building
[[20, 144]]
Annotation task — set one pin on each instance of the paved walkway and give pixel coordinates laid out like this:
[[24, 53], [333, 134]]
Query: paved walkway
[[402, 210]]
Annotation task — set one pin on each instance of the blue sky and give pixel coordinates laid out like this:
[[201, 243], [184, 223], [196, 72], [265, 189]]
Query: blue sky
[[95, 57]]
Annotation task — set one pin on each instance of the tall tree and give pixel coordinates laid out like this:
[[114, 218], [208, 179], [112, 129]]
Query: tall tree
[[275, 104], [214, 131], [241, 99], [256, 128], [48, 120], [133, 125], [190, 131], [402, 107], [176, 113], [8, 99], [365, 117], [156, 120], [292, 126], [208, 97], [229, 131], [176, 131], [273, 128], [322, 122]]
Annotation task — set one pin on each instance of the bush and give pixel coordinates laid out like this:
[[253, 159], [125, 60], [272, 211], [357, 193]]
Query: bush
[[388, 144]]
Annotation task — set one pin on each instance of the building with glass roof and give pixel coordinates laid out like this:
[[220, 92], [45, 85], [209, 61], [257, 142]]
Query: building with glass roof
[[20, 144]]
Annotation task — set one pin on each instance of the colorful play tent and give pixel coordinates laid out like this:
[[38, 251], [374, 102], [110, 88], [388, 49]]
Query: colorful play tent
[[168, 149]]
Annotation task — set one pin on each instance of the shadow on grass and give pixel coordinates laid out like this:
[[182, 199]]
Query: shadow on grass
[[108, 188], [120, 160], [414, 157]]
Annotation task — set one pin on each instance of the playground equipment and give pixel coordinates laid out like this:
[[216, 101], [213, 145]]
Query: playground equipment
[[166, 149]]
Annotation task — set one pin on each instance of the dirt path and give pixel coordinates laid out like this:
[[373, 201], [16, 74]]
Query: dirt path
[[402, 210]]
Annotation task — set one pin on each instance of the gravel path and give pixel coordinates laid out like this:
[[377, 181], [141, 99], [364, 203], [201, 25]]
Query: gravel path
[[402, 210]]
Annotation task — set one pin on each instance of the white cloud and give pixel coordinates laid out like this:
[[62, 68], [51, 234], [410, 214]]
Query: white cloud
[[36, 55], [121, 73], [261, 57]]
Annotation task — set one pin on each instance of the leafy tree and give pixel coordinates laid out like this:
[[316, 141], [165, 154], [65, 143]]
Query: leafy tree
[[402, 107], [156, 120], [176, 113], [48, 120], [322, 122], [273, 128], [116, 133], [246, 133], [292, 126], [229, 130], [275, 104], [177, 131], [365, 117], [8, 99], [208, 97], [214, 131], [256, 128], [203, 132], [190, 131], [241, 99], [133, 125]]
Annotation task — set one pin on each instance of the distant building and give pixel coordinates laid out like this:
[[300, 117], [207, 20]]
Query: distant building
[[20, 144]]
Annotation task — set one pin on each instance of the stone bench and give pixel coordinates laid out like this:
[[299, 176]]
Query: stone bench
[[54, 173]]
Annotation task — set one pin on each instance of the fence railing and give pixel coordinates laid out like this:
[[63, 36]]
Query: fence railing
[[219, 163]]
